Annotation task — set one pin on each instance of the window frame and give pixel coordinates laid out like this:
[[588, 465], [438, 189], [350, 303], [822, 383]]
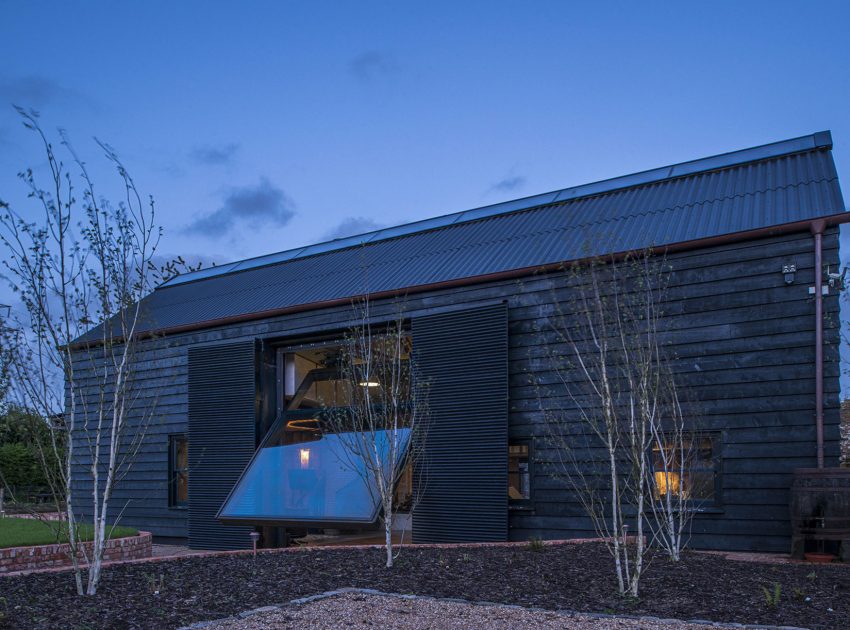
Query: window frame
[[715, 504], [526, 503], [277, 521], [174, 472]]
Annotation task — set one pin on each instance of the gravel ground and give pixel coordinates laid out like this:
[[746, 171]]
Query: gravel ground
[[358, 610]]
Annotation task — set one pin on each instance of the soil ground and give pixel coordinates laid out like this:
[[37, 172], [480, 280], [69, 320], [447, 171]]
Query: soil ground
[[576, 577]]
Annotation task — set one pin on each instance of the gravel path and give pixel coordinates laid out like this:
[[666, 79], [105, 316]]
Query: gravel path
[[359, 610]]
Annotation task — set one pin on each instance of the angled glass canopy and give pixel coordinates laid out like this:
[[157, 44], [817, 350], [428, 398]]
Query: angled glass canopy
[[310, 467], [315, 481]]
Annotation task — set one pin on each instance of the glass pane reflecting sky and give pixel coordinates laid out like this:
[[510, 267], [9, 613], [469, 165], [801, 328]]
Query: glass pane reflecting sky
[[311, 481]]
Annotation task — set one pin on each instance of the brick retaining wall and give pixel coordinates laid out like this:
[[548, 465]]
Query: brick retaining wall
[[13, 559]]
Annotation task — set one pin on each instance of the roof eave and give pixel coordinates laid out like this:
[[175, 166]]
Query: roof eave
[[788, 228]]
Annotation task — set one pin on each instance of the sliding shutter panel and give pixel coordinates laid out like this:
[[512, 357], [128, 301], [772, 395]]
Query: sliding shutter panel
[[222, 438], [463, 470]]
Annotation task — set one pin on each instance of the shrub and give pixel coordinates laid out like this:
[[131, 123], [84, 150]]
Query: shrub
[[23, 436], [19, 466]]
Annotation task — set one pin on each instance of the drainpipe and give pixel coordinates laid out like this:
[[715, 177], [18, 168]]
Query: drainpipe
[[817, 230]]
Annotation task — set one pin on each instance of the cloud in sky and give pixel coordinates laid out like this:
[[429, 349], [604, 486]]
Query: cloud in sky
[[351, 226], [36, 92], [508, 184], [261, 205], [373, 64], [214, 155]]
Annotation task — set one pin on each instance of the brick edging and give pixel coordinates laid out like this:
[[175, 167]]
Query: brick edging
[[57, 556], [457, 600], [307, 549], [331, 548]]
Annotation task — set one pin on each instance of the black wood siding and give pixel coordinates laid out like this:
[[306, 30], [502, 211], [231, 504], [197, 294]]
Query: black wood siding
[[745, 347], [462, 358], [141, 498], [744, 342], [222, 437]]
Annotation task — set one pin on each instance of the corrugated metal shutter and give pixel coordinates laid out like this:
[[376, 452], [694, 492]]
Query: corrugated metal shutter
[[463, 473], [222, 438]]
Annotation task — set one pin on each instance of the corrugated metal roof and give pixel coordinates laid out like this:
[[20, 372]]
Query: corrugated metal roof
[[767, 186]]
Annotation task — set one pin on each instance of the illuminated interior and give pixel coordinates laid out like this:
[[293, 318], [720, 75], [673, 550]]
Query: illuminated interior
[[687, 470], [303, 473]]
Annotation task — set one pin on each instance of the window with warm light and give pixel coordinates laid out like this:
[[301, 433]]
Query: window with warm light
[[688, 469]]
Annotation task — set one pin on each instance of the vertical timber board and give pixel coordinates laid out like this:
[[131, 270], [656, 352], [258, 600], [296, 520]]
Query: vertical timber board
[[463, 469], [222, 437]]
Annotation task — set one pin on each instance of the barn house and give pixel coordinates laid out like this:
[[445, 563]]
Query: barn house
[[237, 356]]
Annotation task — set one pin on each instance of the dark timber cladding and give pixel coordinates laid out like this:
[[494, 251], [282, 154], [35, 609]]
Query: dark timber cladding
[[743, 338], [744, 346], [462, 358], [222, 437]]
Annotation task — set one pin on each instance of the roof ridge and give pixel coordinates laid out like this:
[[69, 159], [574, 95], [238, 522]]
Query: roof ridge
[[536, 233], [801, 144]]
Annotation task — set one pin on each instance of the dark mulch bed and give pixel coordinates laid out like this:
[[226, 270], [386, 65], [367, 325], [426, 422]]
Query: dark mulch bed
[[577, 577]]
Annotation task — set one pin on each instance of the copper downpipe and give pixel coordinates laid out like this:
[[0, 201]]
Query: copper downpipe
[[817, 230]]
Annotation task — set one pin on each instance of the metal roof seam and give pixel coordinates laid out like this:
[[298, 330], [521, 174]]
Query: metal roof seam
[[614, 223], [725, 161], [563, 204], [760, 198]]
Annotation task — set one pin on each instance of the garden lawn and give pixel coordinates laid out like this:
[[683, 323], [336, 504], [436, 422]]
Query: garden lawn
[[25, 532]]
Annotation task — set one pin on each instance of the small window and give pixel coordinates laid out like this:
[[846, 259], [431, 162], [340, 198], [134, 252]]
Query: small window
[[688, 469], [519, 471], [178, 471]]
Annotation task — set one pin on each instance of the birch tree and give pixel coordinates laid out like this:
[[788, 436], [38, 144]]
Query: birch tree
[[381, 429], [80, 270], [606, 354]]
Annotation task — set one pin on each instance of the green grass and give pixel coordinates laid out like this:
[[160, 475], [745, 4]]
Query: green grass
[[22, 532]]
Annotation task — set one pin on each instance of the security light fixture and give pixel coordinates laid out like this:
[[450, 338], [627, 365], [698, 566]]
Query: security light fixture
[[836, 280], [788, 271], [369, 384]]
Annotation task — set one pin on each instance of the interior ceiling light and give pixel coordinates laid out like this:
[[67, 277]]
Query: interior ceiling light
[[307, 424]]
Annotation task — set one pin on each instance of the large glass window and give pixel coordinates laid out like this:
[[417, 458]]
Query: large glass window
[[688, 469], [178, 471], [311, 480], [306, 470]]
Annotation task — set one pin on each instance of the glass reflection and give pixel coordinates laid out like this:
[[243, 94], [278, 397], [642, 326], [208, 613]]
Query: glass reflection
[[310, 481]]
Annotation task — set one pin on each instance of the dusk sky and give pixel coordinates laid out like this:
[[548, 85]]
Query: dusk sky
[[261, 126]]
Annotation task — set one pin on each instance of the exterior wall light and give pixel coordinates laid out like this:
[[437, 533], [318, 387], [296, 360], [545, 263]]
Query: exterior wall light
[[304, 454], [369, 384], [788, 271]]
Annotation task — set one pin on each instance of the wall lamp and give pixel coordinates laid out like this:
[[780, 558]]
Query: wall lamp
[[788, 271]]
